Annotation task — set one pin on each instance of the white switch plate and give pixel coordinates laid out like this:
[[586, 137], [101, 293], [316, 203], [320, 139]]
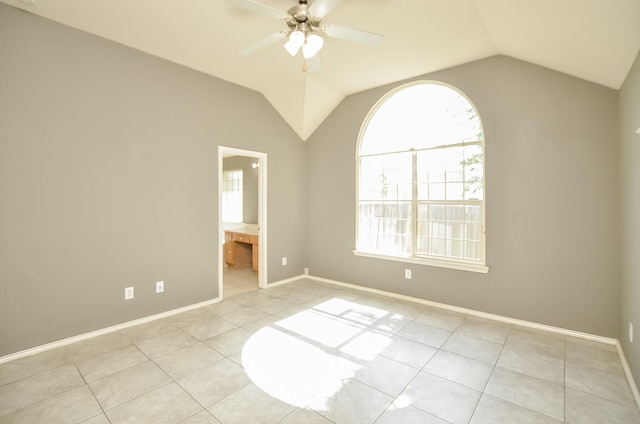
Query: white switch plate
[[407, 274], [128, 293], [306, 271], [284, 261], [159, 286]]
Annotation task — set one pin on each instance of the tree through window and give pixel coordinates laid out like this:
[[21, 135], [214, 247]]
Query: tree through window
[[421, 177]]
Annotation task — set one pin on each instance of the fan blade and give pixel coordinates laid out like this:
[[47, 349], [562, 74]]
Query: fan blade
[[320, 8], [265, 42], [259, 8], [313, 64], [355, 35]]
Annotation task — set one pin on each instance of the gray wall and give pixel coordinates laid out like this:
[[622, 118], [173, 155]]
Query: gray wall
[[552, 201], [108, 178], [630, 195]]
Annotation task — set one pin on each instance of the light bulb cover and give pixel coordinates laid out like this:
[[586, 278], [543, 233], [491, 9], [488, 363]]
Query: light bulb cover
[[296, 40], [312, 45]]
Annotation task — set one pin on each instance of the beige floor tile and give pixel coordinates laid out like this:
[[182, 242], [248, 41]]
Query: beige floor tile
[[442, 398], [166, 405], [250, 405], [538, 395], [33, 389], [123, 386], [70, 407]]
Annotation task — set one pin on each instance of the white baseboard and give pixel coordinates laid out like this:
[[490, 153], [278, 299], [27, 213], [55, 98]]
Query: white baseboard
[[627, 372], [288, 280]]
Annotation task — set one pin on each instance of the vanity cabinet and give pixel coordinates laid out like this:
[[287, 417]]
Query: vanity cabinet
[[241, 250]]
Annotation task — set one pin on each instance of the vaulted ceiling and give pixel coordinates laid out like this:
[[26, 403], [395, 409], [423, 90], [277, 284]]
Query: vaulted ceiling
[[596, 40]]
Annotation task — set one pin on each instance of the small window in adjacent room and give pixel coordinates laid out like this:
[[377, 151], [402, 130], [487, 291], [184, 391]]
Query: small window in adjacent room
[[232, 195], [420, 167]]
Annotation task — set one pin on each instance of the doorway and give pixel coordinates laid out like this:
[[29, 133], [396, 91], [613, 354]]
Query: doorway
[[242, 220]]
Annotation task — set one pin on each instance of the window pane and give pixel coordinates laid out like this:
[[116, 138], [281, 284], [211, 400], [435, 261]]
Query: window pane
[[385, 226], [232, 198], [385, 177], [420, 116]]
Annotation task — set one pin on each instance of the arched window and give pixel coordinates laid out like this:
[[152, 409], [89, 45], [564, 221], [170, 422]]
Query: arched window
[[420, 191]]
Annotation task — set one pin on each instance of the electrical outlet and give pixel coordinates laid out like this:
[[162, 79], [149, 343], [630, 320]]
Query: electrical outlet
[[407, 274], [284, 261], [306, 271], [159, 286], [630, 333], [128, 293]]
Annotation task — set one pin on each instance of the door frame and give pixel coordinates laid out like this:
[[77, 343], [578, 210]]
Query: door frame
[[262, 213]]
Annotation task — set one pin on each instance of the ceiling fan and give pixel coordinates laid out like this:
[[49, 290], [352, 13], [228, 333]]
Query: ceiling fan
[[305, 30]]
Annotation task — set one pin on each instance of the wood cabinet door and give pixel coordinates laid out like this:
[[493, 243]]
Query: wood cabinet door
[[229, 253]]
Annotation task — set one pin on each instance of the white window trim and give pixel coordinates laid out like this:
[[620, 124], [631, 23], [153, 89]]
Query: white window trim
[[479, 267], [462, 266]]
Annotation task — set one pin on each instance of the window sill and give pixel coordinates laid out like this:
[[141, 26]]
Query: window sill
[[461, 266]]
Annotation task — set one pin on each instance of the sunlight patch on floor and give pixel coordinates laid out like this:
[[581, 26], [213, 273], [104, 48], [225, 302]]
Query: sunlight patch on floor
[[306, 359]]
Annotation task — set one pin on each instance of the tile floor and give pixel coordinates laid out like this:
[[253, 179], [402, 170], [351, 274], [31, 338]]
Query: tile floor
[[236, 281], [308, 352]]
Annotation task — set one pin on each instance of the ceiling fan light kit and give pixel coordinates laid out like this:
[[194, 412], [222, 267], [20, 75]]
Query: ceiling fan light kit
[[305, 29]]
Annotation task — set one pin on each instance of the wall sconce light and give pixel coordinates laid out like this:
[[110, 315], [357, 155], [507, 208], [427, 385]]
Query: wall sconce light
[[255, 165]]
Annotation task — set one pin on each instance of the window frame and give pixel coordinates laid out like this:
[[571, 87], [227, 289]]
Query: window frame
[[445, 262]]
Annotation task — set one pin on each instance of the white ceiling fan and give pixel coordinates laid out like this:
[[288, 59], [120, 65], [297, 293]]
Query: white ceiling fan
[[305, 29]]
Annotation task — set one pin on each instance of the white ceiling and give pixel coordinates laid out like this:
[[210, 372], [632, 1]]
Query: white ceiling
[[596, 40]]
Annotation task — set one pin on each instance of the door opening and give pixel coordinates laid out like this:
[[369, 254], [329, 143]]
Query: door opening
[[242, 220]]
